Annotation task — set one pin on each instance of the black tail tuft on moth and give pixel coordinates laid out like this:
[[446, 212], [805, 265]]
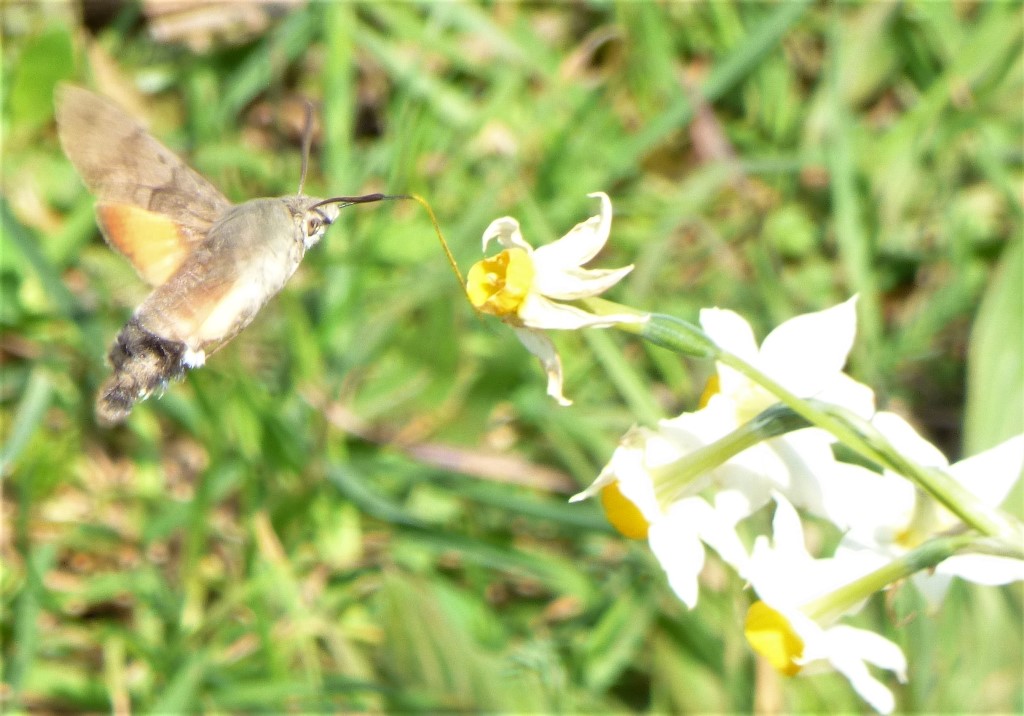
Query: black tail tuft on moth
[[142, 362]]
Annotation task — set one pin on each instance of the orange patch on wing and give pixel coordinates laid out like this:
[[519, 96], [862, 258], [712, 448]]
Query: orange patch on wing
[[154, 243]]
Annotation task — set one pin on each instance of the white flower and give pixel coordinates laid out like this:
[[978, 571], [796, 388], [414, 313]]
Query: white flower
[[805, 355], [905, 518], [525, 287], [644, 495], [793, 624], [650, 487]]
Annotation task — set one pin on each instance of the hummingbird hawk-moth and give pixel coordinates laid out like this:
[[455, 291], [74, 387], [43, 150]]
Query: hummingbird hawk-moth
[[212, 264]]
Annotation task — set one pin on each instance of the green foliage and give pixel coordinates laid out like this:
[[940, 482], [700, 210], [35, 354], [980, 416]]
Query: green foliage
[[359, 504]]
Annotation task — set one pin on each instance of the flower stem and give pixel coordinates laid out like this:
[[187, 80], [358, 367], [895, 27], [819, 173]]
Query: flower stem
[[663, 330], [673, 479], [831, 606]]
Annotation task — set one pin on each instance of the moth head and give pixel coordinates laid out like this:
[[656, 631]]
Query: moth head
[[317, 214], [315, 220]]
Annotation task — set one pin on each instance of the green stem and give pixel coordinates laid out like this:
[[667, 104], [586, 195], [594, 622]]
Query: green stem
[[672, 479], [666, 331], [833, 605]]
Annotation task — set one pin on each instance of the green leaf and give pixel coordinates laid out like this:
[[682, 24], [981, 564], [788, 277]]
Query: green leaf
[[995, 360], [46, 60]]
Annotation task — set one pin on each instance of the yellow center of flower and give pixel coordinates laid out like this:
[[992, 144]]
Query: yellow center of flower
[[770, 635], [711, 388], [622, 513], [499, 285]]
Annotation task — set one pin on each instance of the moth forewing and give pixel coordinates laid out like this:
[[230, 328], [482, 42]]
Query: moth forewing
[[137, 180]]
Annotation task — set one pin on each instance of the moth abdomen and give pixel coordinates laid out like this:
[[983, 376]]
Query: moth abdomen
[[142, 362]]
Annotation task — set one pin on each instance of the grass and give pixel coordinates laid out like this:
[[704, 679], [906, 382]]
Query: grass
[[360, 503]]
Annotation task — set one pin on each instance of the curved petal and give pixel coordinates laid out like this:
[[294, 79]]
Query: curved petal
[[854, 497], [695, 430], [877, 694], [573, 283], [991, 475], [850, 648], [506, 231], [718, 531], [907, 440], [850, 394], [606, 478], [677, 547], [743, 488], [933, 587], [987, 569], [871, 647], [538, 312], [788, 531], [806, 352], [542, 347], [731, 332], [583, 241], [631, 465]]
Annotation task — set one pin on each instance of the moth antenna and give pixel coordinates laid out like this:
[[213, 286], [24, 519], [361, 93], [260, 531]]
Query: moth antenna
[[307, 143]]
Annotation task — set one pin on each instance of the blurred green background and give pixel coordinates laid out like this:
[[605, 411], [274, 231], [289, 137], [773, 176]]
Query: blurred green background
[[359, 504]]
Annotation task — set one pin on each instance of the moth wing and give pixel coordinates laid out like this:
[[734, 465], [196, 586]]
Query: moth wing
[[155, 244], [153, 208]]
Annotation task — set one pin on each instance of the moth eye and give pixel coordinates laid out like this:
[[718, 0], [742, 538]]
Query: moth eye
[[312, 226]]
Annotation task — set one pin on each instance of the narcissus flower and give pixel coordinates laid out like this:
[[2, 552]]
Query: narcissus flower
[[649, 491], [686, 483], [905, 518], [793, 625], [527, 287], [805, 355]]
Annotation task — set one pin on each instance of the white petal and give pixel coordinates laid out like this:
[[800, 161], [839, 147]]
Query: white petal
[[542, 347], [907, 440], [736, 503], [933, 587], [679, 550], [731, 332], [583, 242], [991, 475], [606, 478], [719, 532], [847, 392], [506, 231], [871, 647], [538, 312], [574, 283], [798, 465], [788, 531], [806, 352], [631, 465], [854, 497], [849, 648], [985, 569]]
